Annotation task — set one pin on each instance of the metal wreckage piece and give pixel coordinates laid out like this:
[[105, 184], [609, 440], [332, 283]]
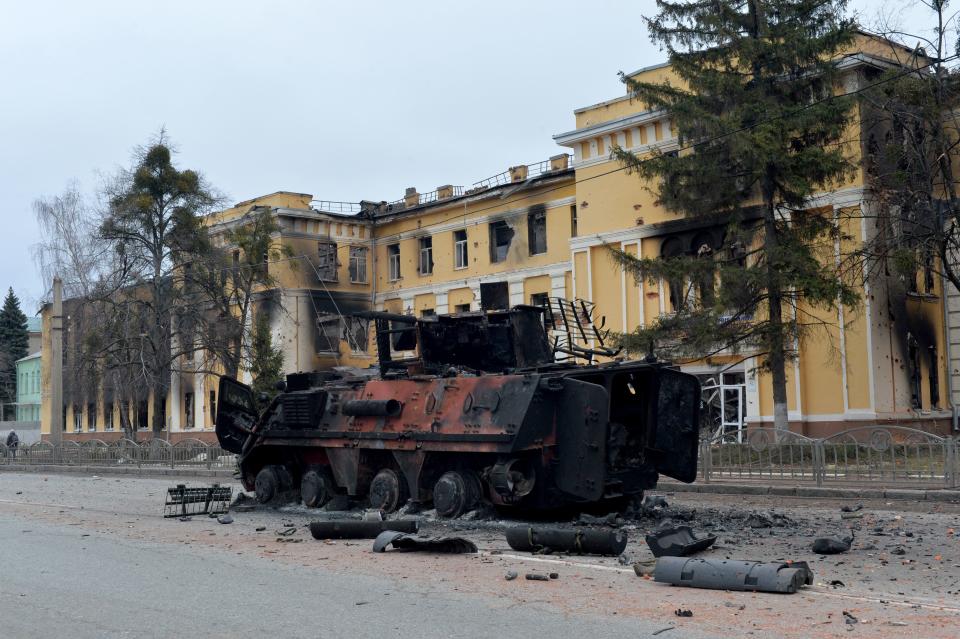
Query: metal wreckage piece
[[579, 541], [404, 542], [677, 541], [360, 529], [183, 501], [731, 574]]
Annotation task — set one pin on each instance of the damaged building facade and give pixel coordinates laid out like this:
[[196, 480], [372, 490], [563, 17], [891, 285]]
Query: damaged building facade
[[543, 230]]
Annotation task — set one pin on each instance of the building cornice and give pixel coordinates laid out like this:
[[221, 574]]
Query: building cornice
[[605, 128]]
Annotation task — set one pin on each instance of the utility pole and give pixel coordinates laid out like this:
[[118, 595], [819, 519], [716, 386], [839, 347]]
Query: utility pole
[[56, 364]]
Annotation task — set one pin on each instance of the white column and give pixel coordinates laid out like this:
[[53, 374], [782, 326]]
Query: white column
[[442, 303], [558, 285], [175, 393], [516, 292], [199, 401]]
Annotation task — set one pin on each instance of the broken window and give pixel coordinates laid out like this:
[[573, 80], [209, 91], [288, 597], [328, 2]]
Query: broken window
[[539, 299], [916, 377], [500, 237], [537, 229], [328, 334], [327, 261], [428, 312], [706, 280], [77, 419], [460, 249], [91, 417], [143, 421], [393, 258], [425, 265], [461, 308], [573, 220], [494, 296], [356, 333], [188, 408], [213, 407], [928, 271], [358, 265], [934, 378], [107, 416], [671, 248]]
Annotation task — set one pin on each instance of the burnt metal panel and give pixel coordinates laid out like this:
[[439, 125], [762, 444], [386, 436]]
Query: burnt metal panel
[[582, 410], [345, 464], [673, 447]]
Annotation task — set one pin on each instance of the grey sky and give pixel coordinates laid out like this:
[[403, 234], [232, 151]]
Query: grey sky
[[344, 100]]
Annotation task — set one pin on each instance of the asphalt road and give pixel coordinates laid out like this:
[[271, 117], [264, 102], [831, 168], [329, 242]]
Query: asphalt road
[[86, 556], [64, 581]]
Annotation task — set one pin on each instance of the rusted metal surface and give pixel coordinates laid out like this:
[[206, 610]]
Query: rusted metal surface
[[482, 413]]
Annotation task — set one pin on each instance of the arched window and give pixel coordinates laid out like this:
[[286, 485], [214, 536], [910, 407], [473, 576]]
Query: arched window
[[671, 248]]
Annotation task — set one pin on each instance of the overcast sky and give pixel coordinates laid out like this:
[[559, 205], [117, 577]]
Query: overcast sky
[[343, 100]]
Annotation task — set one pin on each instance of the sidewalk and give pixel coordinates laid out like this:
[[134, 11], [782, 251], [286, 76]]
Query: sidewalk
[[798, 490]]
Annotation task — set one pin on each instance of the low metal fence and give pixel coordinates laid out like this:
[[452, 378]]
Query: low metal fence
[[888, 455], [95, 452]]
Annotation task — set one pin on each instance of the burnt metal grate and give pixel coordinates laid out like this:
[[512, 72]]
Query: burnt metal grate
[[197, 500]]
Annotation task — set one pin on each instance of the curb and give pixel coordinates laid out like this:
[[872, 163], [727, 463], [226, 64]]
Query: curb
[[143, 471], [934, 495]]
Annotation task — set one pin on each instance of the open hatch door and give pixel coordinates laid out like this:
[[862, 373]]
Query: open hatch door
[[675, 439], [236, 414]]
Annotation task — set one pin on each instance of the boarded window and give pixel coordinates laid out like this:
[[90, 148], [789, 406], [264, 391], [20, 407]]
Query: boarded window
[[425, 265], [327, 261], [393, 258], [500, 237], [358, 265], [537, 230], [460, 249]]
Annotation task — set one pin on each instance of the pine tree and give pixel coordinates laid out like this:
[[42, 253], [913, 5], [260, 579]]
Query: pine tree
[[14, 341], [266, 364], [757, 101]]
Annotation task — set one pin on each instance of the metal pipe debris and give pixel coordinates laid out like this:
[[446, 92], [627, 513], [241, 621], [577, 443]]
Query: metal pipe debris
[[580, 541], [731, 574]]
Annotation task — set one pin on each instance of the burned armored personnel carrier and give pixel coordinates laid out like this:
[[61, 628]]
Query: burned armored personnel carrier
[[482, 410]]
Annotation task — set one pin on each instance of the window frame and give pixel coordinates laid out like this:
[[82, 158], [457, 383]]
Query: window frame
[[358, 264], [393, 261], [536, 218], [461, 254], [425, 249], [327, 264]]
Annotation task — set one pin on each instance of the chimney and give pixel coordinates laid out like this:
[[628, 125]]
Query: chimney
[[412, 198], [518, 173], [559, 162], [445, 191], [56, 364]]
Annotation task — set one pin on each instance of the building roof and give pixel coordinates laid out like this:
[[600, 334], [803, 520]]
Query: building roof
[[29, 357]]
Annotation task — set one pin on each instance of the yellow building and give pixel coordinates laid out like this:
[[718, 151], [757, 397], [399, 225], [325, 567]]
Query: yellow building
[[882, 362], [543, 230]]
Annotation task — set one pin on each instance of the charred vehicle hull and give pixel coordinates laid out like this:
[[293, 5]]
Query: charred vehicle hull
[[542, 436]]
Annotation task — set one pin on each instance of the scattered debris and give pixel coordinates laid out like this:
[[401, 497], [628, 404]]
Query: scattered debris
[[261, 528], [677, 542], [836, 583], [657, 632], [654, 501], [360, 529], [852, 509], [286, 532], [185, 518], [554, 575], [680, 612], [832, 544], [729, 574], [406, 542], [225, 519], [609, 519], [899, 550], [851, 515], [373, 515], [579, 541], [535, 576], [197, 500], [511, 575], [849, 618]]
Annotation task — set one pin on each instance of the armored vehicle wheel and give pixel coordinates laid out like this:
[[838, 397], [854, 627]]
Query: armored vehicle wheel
[[388, 491], [316, 487], [456, 492], [272, 483]]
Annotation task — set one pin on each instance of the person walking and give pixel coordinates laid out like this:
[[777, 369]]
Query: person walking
[[13, 440]]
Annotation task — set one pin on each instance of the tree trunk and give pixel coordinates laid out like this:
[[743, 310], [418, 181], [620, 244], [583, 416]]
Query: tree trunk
[[776, 355]]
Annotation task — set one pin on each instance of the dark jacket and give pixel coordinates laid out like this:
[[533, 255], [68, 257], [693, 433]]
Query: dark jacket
[[12, 440]]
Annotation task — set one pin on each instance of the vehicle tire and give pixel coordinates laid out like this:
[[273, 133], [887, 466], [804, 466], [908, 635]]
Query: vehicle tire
[[273, 484], [456, 492], [388, 491], [317, 487]]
